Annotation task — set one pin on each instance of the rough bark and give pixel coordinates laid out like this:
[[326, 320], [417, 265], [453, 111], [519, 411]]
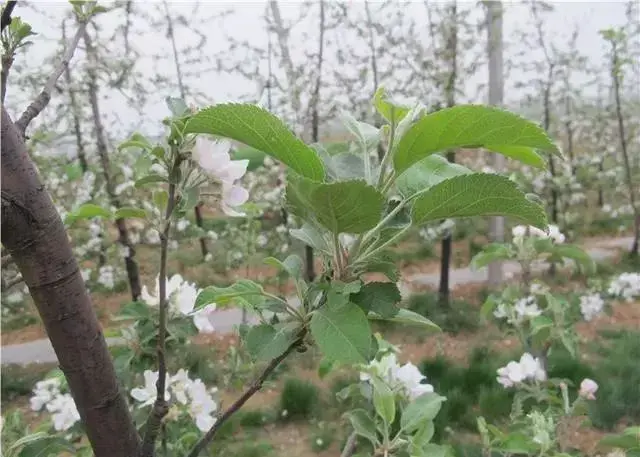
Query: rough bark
[[34, 235], [496, 96], [101, 145]]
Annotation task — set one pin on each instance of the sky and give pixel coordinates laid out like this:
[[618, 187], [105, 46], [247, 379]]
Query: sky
[[247, 24]]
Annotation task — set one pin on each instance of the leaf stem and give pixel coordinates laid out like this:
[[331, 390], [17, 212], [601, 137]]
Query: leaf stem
[[387, 156], [253, 388], [372, 252], [367, 236]]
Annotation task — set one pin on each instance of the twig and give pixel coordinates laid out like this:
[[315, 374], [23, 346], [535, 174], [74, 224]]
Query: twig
[[350, 446], [160, 407], [255, 386], [43, 98], [5, 20]]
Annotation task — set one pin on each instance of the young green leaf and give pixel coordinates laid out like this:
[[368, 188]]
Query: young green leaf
[[347, 206], [258, 128], [567, 251], [427, 173], [311, 236], [491, 253], [472, 126], [423, 408], [266, 342], [391, 111], [254, 156], [298, 195], [177, 106], [138, 141], [160, 198], [244, 292], [477, 194], [324, 368], [380, 265], [129, 213], [342, 333], [406, 316], [383, 400], [149, 179], [87, 211], [292, 265], [379, 297], [363, 425]]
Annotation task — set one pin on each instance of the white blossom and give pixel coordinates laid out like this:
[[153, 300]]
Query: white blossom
[[106, 276], [527, 308], [64, 412], [146, 394], [528, 368], [626, 286], [180, 294], [203, 317], [406, 378], [591, 306]]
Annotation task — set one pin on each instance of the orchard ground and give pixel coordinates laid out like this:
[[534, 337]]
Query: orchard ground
[[267, 426]]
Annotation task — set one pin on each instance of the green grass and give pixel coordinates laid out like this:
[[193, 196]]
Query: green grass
[[459, 317], [298, 399]]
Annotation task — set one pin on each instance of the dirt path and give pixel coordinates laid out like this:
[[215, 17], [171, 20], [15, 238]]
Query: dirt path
[[41, 351]]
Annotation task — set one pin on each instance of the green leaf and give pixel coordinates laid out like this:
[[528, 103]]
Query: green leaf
[[488, 306], [298, 195], [311, 236], [477, 194], [342, 333], [539, 323], [383, 400], [239, 292], [136, 141], [149, 179], [324, 368], [392, 112], [161, 198], [258, 128], [424, 408], [582, 259], [87, 211], [388, 268], [347, 166], [292, 265], [523, 154], [491, 253], [128, 213], [189, 198], [406, 316], [379, 297], [363, 424], [254, 156], [177, 106], [366, 134], [427, 173], [472, 126], [435, 450], [266, 342], [423, 435], [347, 206]]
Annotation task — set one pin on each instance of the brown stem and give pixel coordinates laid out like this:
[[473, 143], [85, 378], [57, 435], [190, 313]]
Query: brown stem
[[35, 236], [350, 445], [255, 386], [42, 100], [131, 265], [5, 19], [160, 407], [7, 61]]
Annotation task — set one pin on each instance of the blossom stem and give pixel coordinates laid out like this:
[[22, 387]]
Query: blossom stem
[[255, 386], [160, 407]]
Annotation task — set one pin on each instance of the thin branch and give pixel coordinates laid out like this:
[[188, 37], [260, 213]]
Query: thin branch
[[5, 20], [43, 98], [350, 446], [255, 386], [160, 407]]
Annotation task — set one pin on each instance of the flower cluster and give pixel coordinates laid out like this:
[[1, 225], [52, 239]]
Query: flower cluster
[[588, 389], [48, 394], [523, 309], [626, 286], [591, 306], [181, 296], [406, 378], [519, 232], [191, 397], [528, 368], [214, 159]]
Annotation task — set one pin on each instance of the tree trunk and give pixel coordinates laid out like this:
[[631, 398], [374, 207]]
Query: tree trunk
[[496, 96], [123, 235], [34, 235], [450, 94], [615, 73]]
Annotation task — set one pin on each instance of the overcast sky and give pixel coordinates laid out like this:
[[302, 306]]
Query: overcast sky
[[247, 23]]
